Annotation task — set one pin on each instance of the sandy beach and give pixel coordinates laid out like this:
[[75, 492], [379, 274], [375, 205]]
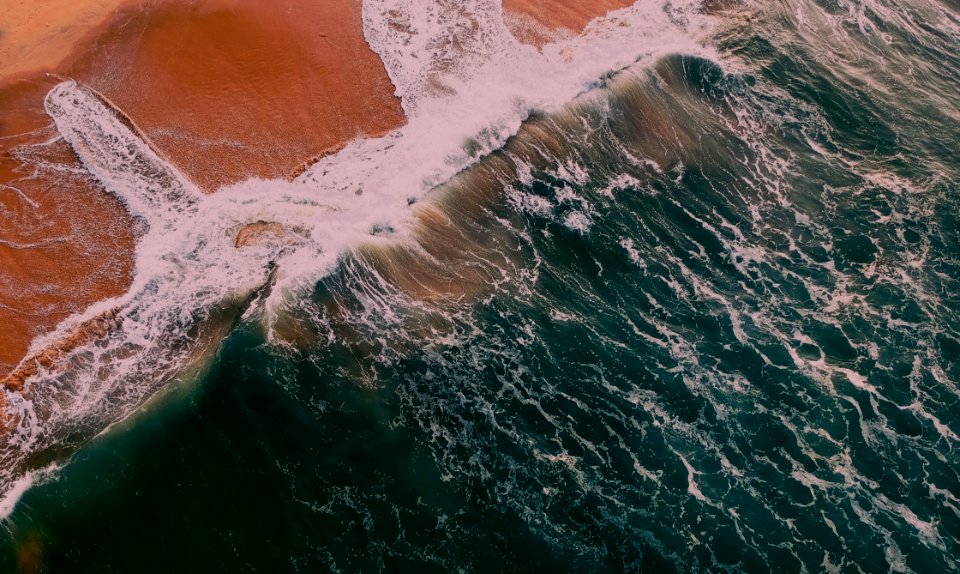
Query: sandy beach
[[225, 89]]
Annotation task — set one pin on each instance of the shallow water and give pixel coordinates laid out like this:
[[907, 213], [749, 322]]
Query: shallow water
[[703, 317]]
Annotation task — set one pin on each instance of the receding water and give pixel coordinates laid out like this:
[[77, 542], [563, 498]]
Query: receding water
[[703, 318]]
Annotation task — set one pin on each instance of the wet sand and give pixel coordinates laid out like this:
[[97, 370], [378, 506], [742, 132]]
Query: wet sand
[[230, 89], [540, 22], [225, 89]]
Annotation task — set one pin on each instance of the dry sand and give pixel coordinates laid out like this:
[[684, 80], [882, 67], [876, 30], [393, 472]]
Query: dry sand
[[226, 89], [38, 34]]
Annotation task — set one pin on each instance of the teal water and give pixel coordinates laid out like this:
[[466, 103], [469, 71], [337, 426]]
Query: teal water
[[704, 319]]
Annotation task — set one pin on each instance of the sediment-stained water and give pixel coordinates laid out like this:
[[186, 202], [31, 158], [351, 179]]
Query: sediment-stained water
[[680, 294]]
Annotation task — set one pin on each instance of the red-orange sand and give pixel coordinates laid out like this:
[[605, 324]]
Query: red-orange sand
[[539, 22], [229, 89], [226, 89], [64, 243]]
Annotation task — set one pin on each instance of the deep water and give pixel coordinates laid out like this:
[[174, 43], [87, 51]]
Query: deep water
[[706, 318]]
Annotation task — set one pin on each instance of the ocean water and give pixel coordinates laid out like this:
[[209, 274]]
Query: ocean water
[[692, 307]]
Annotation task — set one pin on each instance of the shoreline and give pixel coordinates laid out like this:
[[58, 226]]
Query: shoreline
[[260, 91], [216, 90]]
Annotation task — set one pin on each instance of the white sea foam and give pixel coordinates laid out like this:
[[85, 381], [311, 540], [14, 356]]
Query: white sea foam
[[16, 489], [13, 494], [630, 247], [577, 221]]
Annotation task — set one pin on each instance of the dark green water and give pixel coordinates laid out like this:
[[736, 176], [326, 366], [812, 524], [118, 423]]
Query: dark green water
[[713, 326]]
